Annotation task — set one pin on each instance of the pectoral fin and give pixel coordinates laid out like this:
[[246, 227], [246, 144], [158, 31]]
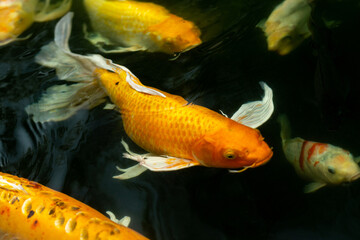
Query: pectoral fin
[[312, 187], [153, 163], [357, 160], [254, 114], [125, 221]]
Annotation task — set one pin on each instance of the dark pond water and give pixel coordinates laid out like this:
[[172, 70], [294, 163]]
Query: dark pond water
[[317, 86]]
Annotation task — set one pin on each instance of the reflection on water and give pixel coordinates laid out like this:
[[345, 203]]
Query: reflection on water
[[316, 86]]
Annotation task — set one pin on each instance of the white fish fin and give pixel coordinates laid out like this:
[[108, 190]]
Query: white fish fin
[[110, 106], [254, 114], [158, 163], [125, 221], [52, 11], [130, 172], [132, 80], [285, 132], [314, 186], [60, 102]]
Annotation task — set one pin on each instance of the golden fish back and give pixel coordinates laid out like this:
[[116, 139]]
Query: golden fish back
[[29, 210], [172, 123]]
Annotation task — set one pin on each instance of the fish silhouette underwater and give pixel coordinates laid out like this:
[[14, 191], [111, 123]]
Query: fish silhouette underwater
[[176, 133], [133, 26], [17, 15], [31, 211], [321, 163]]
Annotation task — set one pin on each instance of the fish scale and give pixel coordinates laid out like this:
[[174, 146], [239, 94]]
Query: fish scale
[[29, 210], [172, 124]]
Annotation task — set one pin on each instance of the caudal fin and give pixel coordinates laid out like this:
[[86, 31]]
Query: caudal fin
[[285, 132], [60, 102]]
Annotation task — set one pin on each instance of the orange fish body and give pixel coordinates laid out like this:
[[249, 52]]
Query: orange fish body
[[30, 211], [17, 15], [161, 123], [144, 25], [180, 129]]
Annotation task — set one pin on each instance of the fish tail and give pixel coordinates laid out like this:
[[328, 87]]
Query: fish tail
[[285, 132], [60, 102]]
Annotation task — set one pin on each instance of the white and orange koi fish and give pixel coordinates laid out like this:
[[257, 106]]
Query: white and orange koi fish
[[31, 211], [322, 163], [134, 26], [17, 15], [286, 26]]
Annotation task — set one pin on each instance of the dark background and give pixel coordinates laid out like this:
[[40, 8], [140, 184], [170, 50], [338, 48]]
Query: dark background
[[317, 86]]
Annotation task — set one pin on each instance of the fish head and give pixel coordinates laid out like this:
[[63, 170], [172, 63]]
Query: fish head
[[235, 146], [13, 21], [175, 35], [339, 166], [283, 39]]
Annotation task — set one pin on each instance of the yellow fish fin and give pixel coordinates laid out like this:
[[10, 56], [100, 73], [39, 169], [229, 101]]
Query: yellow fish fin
[[314, 186], [254, 114]]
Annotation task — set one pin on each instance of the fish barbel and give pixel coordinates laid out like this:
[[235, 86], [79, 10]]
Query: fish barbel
[[177, 133], [17, 15], [139, 26], [31, 211]]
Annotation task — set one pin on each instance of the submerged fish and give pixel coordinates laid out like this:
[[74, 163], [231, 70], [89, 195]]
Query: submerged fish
[[286, 26], [29, 211], [17, 15], [177, 133], [322, 163], [139, 26]]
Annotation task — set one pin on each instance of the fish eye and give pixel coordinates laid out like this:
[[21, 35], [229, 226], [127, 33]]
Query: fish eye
[[331, 170], [229, 154]]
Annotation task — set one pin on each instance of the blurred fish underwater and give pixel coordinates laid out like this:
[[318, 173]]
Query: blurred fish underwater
[[316, 85]]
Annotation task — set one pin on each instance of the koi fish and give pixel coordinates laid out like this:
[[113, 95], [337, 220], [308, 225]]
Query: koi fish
[[286, 26], [322, 163], [29, 210], [178, 134], [17, 15], [139, 26]]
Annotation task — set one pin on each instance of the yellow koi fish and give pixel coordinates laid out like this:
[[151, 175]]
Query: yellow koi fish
[[17, 15], [139, 26], [31, 211], [321, 163], [178, 134], [286, 26]]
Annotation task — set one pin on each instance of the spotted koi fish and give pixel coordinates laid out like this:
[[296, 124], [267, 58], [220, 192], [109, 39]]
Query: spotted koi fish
[[17, 15], [29, 211], [133, 26], [178, 134], [322, 163], [286, 28]]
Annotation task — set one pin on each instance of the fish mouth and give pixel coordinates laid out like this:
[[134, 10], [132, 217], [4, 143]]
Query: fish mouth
[[355, 177], [256, 164]]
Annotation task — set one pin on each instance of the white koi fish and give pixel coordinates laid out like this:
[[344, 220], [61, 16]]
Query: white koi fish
[[322, 163]]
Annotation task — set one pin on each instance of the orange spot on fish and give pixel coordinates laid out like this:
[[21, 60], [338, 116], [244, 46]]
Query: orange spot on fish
[[301, 159], [35, 224], [316, 163], [321, 147]]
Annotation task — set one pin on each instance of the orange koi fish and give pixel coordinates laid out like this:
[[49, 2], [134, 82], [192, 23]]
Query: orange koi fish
[[178, 134], [286, 28], [321, 163], [29, 210], [17, 15], [139, 26]]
